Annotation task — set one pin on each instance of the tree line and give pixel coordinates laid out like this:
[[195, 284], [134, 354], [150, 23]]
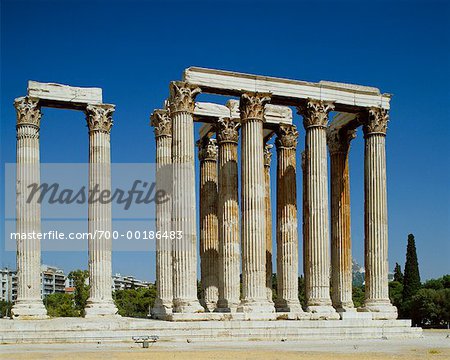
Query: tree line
[[427, 304]]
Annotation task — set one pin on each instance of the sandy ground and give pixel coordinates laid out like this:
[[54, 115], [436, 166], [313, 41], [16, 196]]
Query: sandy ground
[[434, 345]]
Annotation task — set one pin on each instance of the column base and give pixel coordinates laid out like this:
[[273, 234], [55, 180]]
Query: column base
[[209, 306], [225, 306], [380, 311], [187, 307], [96, 309], [29, 310], [322, 312], [251, 306], [282, 305], [160, 310]]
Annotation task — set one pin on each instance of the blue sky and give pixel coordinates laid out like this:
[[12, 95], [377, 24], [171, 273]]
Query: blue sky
[[134, 49]]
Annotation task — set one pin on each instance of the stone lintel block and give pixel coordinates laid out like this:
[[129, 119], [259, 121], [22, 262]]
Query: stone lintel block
[[59, 95], [286, 91]]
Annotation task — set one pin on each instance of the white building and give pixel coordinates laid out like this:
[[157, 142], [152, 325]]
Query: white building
[[52, 280], [8, 285], [127, 282]]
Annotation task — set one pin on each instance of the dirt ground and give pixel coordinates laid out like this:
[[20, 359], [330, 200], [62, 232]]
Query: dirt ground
[[433, 345]]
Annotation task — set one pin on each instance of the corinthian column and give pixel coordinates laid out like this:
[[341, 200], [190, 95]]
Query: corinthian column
[[341, 248], [162, 124], [228, 213], [375, 216], [287, 227], [28, 213], [317, 266], [100, 302], [254, 294], [209, 237], [184, 249], [268, 211]]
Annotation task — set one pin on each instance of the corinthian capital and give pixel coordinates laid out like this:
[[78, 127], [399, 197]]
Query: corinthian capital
[[28, 111], [207, 149], [375, 121], [338, 140], [267, 154], [287, 136], [251, 105], [161, 122], [99, 117], [315, 112], [227, 130], [182, 96]]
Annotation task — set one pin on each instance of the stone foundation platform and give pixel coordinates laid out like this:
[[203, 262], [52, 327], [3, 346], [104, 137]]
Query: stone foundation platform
[[78, 330]]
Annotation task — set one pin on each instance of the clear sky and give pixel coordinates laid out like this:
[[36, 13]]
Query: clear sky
[[133, 49]]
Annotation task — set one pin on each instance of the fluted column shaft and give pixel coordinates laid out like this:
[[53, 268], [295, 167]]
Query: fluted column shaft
[[341, 249], [100, 302], [268, 212], [317, 267], [209, 236], [162, 124], [28, 213], [228, 214], [184, 253], [287, 227], [375, 216], [254, 294]]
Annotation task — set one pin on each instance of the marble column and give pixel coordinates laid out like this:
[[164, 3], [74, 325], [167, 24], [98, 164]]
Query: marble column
[[268, 211], [228, 213], [209, 232], [287, 227], [341, 248], [317, 266], [184, 251], [100, 301], [162, 124], [375, 215], [28, 213], [254, 294]]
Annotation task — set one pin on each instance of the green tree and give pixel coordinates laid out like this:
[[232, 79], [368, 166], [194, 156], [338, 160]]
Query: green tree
[[81, 293], [398, 275], [302, 290], [411, 279], [5, 308], [430, 307], [135, 302], [396, 293], [61, 305], [358, 295]]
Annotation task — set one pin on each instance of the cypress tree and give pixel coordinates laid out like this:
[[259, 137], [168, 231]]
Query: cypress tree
[[411, 278], [398, 275]]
